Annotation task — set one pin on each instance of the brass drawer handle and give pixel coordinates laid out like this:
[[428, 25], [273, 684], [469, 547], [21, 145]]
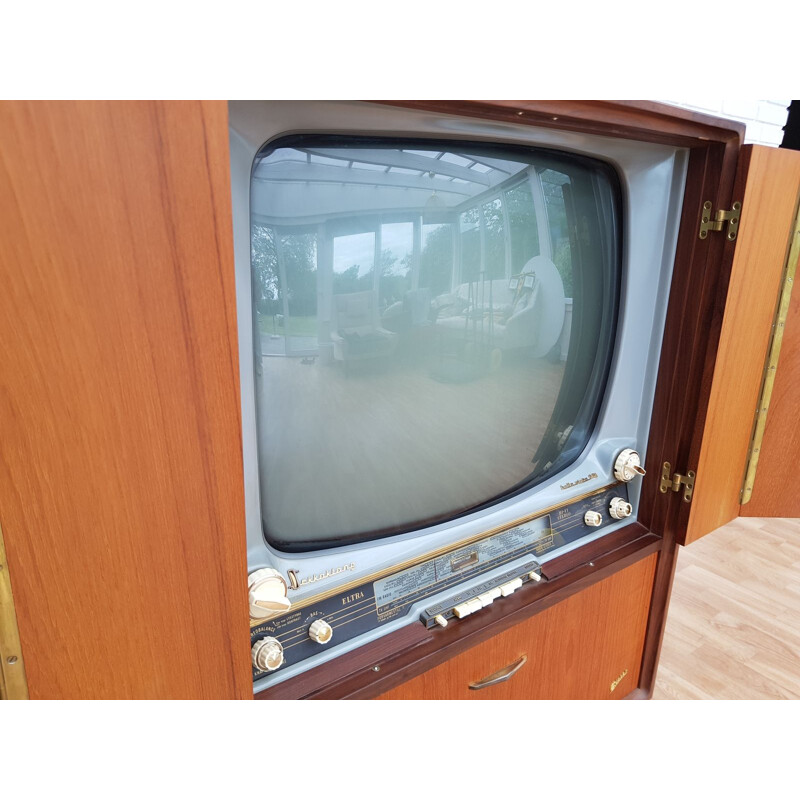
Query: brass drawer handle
[[501, 675]]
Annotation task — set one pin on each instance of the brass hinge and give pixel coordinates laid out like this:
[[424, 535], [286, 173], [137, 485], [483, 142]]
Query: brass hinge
[[674, 482], [711, 221]]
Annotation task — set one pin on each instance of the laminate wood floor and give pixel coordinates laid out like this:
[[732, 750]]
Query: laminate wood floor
[[733, 627]]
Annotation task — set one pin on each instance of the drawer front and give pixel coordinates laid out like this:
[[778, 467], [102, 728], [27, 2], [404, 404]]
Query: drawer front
[[588, 647]]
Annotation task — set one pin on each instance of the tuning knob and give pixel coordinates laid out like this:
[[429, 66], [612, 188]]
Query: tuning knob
[[619, 508], [320, 632], [267, 594], [267, 654], [593, 518], [628, 465]]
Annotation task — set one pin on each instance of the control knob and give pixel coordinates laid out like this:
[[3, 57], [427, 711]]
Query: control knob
[[267, 593], [267, 654], [619, 508], [593, 518], [320, 632], [628, 465]]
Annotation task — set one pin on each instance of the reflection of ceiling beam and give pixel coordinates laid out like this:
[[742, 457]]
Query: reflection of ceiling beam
[[509, 167], [397, 158], [322, 173]]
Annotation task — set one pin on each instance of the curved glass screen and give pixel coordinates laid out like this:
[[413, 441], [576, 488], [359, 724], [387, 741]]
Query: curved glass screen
[[434, 326]]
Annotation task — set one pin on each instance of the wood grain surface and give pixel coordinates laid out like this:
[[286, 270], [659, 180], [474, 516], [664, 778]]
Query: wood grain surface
[[768, 211], [588, 647], [121, 493], [733, 629], [774, 491]]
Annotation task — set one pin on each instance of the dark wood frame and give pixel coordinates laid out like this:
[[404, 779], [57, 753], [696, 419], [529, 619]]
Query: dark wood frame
[[691, 338]]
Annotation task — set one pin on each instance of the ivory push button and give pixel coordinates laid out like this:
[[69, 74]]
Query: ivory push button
[[468, 607], [462, 610], [487, 598], [509, 588]]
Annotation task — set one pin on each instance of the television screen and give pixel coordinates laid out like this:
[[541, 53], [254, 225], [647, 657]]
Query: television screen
[[434, 327]]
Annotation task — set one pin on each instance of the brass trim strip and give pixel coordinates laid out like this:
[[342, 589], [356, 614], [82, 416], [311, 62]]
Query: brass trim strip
[[317, 598], [771, 366], [13, 684]]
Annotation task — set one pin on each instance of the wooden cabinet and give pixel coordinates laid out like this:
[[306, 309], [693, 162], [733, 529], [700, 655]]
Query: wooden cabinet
[[121, 485], [588, 647]]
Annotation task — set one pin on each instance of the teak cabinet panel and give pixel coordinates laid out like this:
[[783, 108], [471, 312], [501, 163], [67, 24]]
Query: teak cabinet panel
[[587, 647], [121, 505]]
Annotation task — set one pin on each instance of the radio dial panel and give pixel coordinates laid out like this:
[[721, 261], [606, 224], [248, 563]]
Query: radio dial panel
[[336, 617]]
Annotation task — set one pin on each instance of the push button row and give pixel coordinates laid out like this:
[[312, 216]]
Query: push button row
[[487, 598]]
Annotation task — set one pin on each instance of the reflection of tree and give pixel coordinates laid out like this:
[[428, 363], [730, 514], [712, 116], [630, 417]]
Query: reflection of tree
[[265, 270], [494, 239], [300, 262], [349, 281], [394, 278], [524, 233], [470, 244], [436, 260], [552, 183]]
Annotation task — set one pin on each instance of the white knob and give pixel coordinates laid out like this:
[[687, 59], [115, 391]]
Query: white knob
[[320, 632], [267, 654], [619, 509], [593, 518], [267, 594], [628, 465]]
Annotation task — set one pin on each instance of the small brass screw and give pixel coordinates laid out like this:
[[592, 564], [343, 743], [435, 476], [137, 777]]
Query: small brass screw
[[12, 659]]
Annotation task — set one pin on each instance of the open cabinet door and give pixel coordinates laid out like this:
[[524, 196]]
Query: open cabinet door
[[768, 186]]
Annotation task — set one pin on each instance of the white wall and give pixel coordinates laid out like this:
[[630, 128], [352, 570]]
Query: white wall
[[764, 118]]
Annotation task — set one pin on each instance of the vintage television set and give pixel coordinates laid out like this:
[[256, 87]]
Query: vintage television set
[[379, 373], [450, 332]]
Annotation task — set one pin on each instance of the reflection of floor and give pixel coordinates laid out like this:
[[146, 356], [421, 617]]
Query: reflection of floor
[[386, 443], [275, 345]]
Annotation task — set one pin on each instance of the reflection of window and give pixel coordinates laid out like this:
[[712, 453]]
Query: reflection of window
[[436, 259], [553, 186], [524, 234], [353, 262], [397, 253]]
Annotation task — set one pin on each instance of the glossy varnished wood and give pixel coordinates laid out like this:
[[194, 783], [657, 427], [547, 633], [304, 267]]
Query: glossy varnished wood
[[642, 120], [587, 647], [121, 494], [768, 212]]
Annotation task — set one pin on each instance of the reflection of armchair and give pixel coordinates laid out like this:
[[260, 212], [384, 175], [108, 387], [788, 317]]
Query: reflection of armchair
[[356, 333], [521, 327]]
